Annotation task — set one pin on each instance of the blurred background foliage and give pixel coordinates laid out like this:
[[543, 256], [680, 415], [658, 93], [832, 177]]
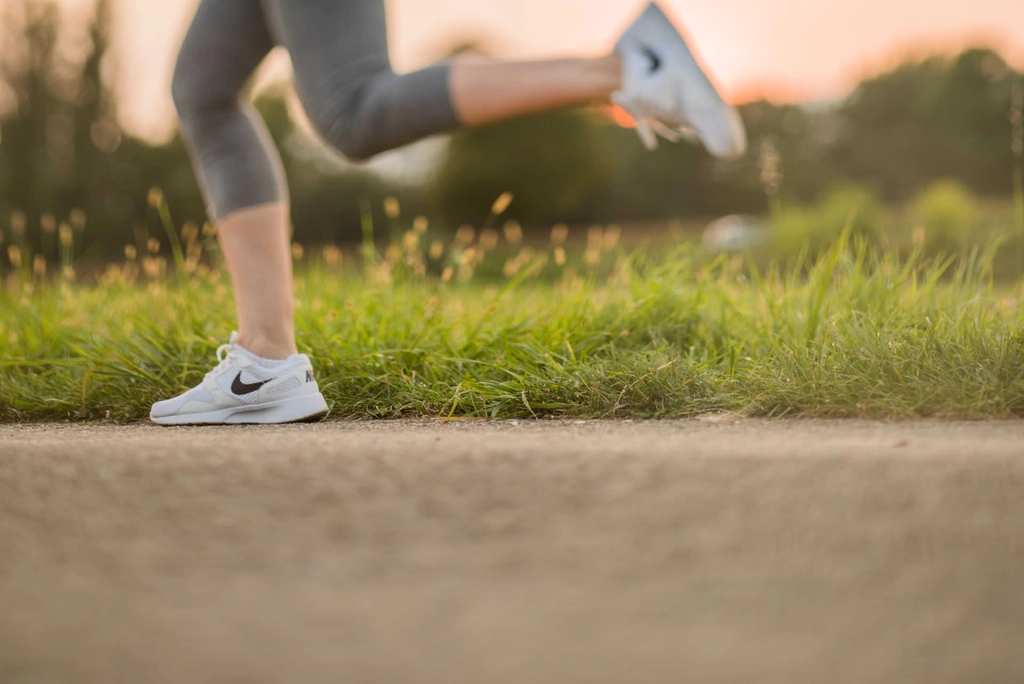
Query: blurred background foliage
[[932, 136]]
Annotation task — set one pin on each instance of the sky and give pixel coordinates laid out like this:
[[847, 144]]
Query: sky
[[788, 50]]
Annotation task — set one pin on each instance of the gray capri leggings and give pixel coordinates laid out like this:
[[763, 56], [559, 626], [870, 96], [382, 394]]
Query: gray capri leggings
[[339, 52]]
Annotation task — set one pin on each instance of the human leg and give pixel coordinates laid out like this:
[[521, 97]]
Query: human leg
[[361, 107], [339, 51], [483, 92], [259, 378], [256, 246], [238, 166], [234, 157]]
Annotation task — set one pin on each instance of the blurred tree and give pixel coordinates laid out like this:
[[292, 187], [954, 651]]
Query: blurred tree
[[30, 135], [59, 130], [803, 137], [937, 118], [557, 165]]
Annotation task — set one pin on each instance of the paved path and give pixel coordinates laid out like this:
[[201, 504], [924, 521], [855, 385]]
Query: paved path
[[745, 552]]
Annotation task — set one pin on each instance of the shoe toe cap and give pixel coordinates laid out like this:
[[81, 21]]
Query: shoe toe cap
[[724, 134], [165, 409], [175, 406]]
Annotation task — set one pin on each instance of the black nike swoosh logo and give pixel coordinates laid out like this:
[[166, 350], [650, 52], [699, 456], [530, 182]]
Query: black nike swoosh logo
[[653, 56], [240, 388]]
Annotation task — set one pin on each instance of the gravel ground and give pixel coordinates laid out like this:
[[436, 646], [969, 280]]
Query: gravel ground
[[716, 550]]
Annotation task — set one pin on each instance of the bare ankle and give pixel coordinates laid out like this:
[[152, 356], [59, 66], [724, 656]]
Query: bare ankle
[[275, 347]]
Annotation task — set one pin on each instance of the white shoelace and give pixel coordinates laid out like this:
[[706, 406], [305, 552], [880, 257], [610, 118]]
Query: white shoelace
[[648, 128], [227, 356]]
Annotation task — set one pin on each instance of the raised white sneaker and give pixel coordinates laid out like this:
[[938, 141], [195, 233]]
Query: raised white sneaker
[[242, 390], [666, 91]]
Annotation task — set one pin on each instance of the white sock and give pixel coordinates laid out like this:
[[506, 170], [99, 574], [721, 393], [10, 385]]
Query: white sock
[[268, 363], [265, 363]]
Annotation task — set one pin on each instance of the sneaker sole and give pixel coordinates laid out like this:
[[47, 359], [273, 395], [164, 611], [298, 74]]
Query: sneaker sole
[[305, 409]]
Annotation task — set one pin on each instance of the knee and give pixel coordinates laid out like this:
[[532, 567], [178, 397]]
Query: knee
[[355, 145], [195, 91], [344, 132], [184, 87], [350, 121]]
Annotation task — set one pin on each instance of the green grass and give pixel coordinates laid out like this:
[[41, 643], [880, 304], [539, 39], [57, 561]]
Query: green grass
[[852, 334]]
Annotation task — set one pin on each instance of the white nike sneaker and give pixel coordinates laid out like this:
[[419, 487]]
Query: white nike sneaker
[[666, 91], [243, 390]]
